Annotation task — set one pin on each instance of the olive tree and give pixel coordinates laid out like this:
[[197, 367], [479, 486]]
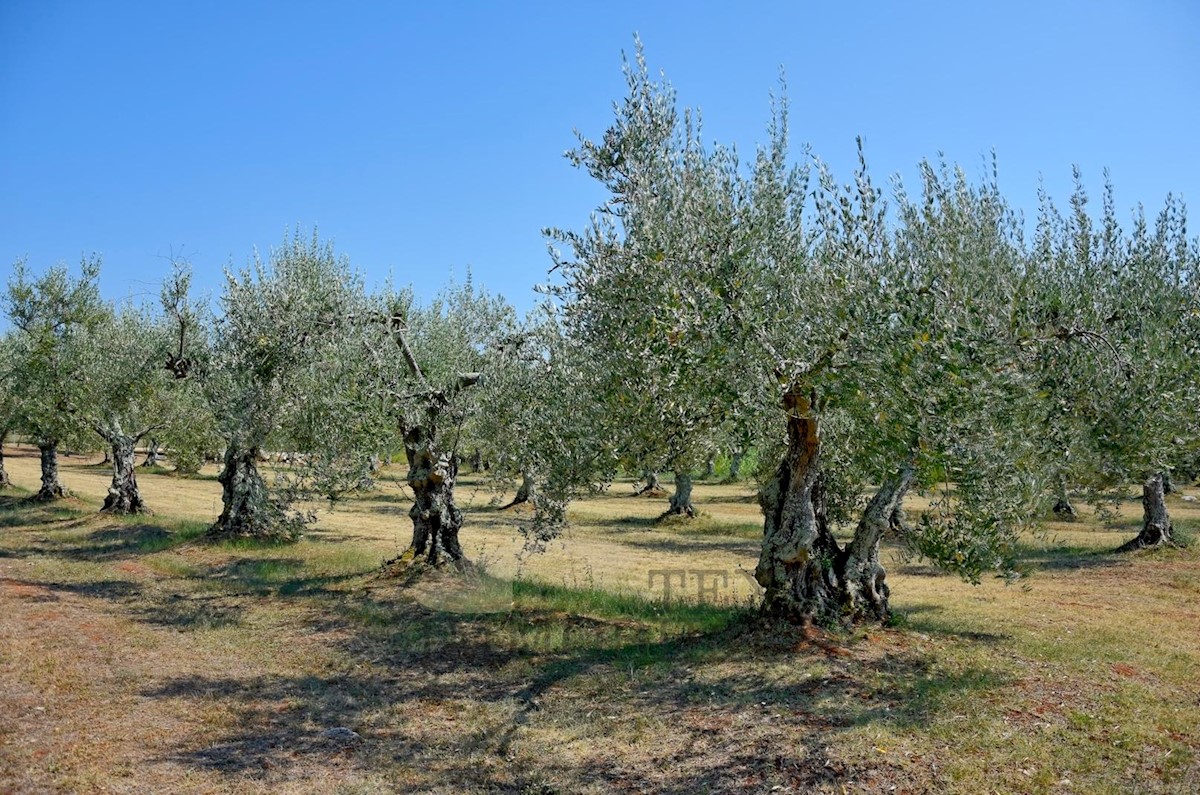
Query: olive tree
[[424, 367], [53, 315], [128, 393], [9, 413], [281, 333], [540, 423], [1112, 326], [880, 354], [661, 250]]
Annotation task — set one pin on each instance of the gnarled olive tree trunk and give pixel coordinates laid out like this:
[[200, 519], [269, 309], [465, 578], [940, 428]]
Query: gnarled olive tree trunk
[[123, 494], [806, 574], [1062, 506], [153, 454], [1156, 522], [735, 465], [681, 500], [795, 564], [432, 470], [526, 491], [247, 508], [861, 575], [432, 473], [5, 482], [652, 486], [51, 488]]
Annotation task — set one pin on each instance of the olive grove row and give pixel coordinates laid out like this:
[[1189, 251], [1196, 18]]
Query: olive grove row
[[865, 346]]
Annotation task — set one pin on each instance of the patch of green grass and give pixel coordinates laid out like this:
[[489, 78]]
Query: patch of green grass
[[19, 509], [180, 533], [682, 616], [707, 525], [1187, 531]]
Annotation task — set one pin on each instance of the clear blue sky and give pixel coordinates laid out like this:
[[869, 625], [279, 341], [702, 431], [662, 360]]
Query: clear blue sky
[[427, 138]]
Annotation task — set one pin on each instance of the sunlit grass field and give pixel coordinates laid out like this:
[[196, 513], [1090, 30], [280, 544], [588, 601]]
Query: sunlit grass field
[[136, 658]]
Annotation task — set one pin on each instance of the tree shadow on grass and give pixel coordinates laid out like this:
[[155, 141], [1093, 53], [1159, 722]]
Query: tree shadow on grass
[[107, 543], [177, 611], [1069, 558], [18, 510], [699, 544], [277, 576], [479, 699]]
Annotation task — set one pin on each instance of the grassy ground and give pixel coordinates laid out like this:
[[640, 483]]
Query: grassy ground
[[135, 659]]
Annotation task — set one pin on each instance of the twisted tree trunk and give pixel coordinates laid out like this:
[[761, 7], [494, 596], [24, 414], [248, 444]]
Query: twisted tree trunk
[[681, 500], [861, 575], [247, 508], [152, 454], [652, 487], [5, 482], [436, 518], [1156, 522], [735, 465], [795, 564], [1063, 507], [526, 491], [123, 494], [807, 576], [51, 488]]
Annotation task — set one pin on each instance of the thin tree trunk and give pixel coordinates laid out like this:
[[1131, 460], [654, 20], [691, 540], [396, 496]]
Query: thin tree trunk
[[123, 495], [710, 466], [436, 518], [51, 489], [1168, 483], [247, 508], [681, 500], [1156, 522]]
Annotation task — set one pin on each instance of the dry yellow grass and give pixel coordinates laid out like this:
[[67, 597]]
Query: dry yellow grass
[[130, 662]]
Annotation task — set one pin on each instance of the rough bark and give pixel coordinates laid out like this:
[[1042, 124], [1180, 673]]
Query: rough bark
[[123, 494], [51, 489], [681, 500], [1168, 483], [1157, 530], [710, 466], [795, 565], [153, 456], [735, 465], [1063, 507], [652, 486], [5, 482], [525, 492], [247, 508], [436, 518], [858, 568]]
